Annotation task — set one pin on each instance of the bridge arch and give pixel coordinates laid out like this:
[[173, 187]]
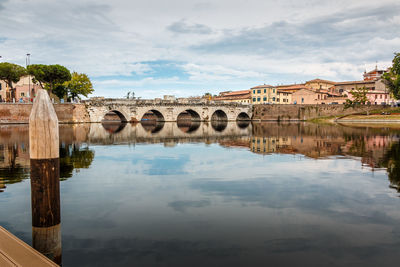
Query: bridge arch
[[188, 114], [114, 116], [153, 115], [219, 115], [243, 116]]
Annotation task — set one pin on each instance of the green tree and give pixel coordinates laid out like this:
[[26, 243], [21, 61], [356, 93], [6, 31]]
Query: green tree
[[11, 73], [60, 90], [49, 76], [392, 77], [359, 95], [79, 84]]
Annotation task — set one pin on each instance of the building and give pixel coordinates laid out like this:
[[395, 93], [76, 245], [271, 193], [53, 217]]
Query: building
[[284, 97], [377, 93], [235, 96], [264, 94], [318, 84], [169, 97], [309, 96], [291, 87], [25, 90], [320, 91], [3, 90], [376, 97], [373, 74]]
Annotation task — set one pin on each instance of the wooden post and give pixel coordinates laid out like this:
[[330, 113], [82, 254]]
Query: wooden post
[[45, 174]]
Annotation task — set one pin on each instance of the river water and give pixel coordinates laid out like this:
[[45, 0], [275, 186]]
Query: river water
[[216, 194]]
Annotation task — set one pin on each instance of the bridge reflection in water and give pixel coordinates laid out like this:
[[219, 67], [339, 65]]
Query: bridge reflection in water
[[376, 147], [157, 131]]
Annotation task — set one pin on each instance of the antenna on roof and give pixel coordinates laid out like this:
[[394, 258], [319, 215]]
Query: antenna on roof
[[376, 66]]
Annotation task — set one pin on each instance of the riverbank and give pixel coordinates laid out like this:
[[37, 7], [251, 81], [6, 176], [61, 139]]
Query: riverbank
[[314, 113], [388, 115]]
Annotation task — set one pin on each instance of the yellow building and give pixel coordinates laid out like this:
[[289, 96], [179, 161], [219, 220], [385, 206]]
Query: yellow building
[[284, 97], [264, 94]]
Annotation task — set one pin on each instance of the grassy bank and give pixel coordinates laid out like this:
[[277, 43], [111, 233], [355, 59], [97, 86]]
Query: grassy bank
[[323, 120]]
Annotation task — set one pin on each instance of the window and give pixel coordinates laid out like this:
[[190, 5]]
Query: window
[[258, 99], [302, 100], [265, 98], [22, 94], [258, 91], [376, 96], [0, 86], [254, 99], [254, 91], [273, 99], [265, 90], [273, 91]]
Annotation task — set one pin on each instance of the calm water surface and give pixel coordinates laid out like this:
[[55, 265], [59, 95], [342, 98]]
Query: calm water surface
[[216, 194]]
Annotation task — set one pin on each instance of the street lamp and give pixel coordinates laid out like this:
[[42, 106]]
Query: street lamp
[[28, 59]]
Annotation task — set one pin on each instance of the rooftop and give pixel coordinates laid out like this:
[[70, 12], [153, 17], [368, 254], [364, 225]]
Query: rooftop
[[354, 82], [320, 81], [235, 93], [262, 86]]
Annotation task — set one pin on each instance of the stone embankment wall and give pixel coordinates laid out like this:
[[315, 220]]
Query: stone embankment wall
[[75, 113], [66, 113], [306, 112]]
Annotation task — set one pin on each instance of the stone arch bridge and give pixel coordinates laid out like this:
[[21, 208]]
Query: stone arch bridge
[[164, 110]]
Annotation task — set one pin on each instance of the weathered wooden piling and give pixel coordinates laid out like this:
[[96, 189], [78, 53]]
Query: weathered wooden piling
[[45, 174]]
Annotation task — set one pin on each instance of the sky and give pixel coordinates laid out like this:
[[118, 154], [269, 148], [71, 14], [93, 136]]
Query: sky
[[188, 48]]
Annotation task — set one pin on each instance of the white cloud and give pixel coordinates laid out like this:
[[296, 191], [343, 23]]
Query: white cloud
[[227, 43]]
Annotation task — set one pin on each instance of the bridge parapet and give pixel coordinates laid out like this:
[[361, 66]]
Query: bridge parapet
[[150, 102]]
